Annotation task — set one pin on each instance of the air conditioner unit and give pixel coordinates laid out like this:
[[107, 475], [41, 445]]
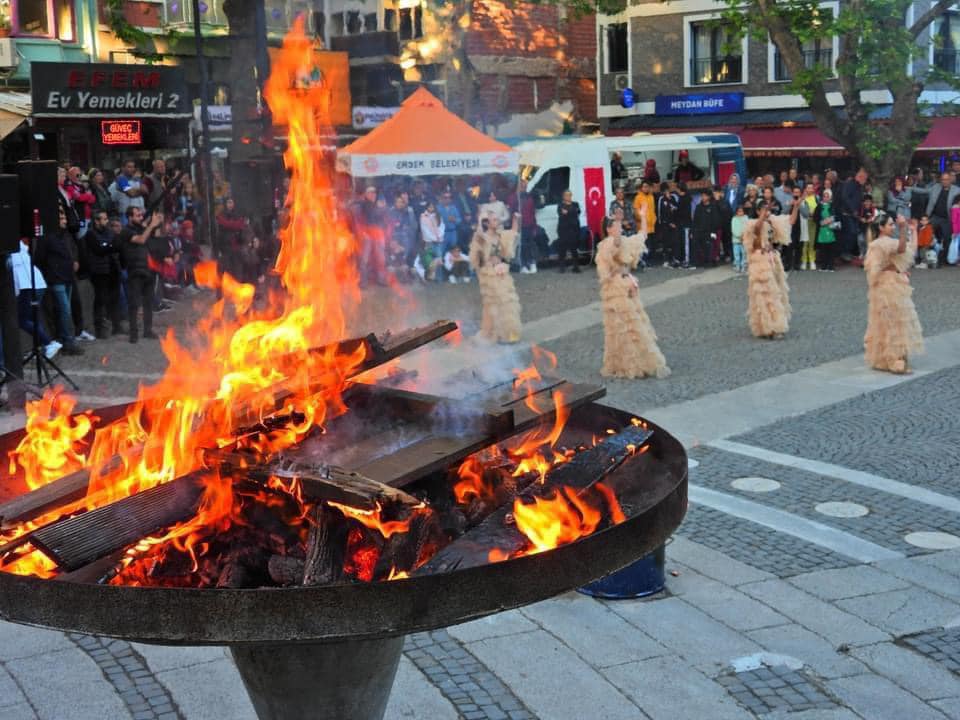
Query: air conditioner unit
[[621, 81], [8, 53]]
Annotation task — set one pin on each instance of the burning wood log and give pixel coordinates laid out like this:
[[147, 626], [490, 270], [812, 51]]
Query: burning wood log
[[403, 551], [325, 546], [78, 541], [581, 473], [75, 486]]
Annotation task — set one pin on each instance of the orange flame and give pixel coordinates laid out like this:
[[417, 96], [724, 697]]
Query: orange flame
[[243, 361], [559, 519], [54, 440]]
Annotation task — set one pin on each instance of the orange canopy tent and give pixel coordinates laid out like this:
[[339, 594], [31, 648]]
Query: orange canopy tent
[[424, 138]]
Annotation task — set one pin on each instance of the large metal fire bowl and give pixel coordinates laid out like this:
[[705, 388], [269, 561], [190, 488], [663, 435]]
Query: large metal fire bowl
[[332, 651]]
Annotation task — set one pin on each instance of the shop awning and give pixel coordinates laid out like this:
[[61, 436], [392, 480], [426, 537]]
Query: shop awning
[[759, 142], [424, 138], [944, 135], [15, 108]]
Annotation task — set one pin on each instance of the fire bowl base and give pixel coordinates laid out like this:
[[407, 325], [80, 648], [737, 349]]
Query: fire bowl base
[[320, 681]]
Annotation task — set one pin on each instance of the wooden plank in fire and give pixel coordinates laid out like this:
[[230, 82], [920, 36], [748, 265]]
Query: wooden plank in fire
[[437, 451], [75, 486], [584, 471], [62, 491], [491, 417], [80, 540]]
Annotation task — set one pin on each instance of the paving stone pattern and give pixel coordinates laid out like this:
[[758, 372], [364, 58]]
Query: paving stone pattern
[[943, 646], [889, 520], [145, 697], [466, 682], [707, 343], [888, 432], [777, 688], [779, 554]]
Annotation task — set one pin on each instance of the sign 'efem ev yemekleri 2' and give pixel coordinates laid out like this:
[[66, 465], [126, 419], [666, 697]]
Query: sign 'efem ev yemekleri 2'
[[105, 90]]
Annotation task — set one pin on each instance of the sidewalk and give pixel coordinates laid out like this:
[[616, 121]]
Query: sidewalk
[[725, 641]]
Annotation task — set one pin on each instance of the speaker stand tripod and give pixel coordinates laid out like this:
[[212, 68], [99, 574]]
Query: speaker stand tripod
[[37, 354]]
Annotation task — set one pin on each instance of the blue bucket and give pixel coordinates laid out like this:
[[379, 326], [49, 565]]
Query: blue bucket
[[642, 578]]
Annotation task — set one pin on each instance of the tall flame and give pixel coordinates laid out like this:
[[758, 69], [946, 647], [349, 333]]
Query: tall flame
[[241, 361]]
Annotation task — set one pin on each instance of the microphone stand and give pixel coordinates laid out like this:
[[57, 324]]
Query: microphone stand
[[37, 354]]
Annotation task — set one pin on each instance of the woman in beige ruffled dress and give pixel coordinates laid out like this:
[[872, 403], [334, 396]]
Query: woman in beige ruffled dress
[[629, 343], [893, 328], [490, 253], [767, 292]]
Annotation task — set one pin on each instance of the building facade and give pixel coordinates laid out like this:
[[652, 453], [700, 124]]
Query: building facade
[[532, 66], [680, 69]]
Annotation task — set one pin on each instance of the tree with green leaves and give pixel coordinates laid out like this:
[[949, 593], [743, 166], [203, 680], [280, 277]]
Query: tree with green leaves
[[882, 46]]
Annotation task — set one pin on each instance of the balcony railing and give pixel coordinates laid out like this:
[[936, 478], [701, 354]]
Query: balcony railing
[[947, 60], [811, 59], [716, 71]]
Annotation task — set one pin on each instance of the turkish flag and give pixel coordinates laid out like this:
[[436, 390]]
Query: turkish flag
[[596, 199]]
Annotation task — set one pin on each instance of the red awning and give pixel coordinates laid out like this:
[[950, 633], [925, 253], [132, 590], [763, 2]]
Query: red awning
[[944, 135], [787, 141]]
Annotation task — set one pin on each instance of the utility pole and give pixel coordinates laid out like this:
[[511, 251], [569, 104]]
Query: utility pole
[[204, 149]]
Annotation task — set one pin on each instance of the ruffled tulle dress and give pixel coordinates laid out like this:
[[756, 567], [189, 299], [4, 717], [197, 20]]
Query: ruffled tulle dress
[[629, 342], [768, 309], [893, 328], [500, 314]]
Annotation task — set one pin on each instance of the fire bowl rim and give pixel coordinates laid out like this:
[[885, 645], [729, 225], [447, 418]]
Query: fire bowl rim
[[193, 616]]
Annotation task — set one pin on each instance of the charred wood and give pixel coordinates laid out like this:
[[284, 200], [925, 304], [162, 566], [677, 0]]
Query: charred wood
[[582, 472], [285, 570], [325, 546]]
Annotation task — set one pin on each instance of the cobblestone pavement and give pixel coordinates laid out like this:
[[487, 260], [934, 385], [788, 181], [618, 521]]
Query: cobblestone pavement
[[770, 610]]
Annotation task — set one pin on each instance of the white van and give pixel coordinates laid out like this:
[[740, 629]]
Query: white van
[[583, 165]]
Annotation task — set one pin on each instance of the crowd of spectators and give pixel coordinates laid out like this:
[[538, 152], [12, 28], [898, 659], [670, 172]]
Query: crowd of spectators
[[132, 235], [830, 217]]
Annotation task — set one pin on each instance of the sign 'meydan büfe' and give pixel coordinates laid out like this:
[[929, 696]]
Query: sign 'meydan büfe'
[[105, 90]]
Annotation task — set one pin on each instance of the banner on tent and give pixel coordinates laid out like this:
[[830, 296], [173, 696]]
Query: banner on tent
[[429, 164]]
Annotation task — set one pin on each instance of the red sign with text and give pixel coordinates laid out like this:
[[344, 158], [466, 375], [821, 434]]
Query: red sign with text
[[120, 132]]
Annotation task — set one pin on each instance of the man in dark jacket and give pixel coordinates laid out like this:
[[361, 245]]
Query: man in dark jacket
[[706, 223], [568, 231], [103, 259], [724, 248], [685, 222], [668, 219], [56, 256], [134, 255], [849, 202]]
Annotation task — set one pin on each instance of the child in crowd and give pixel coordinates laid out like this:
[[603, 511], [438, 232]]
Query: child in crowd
[[737, 226], [925, 242], [457, 265], [397, 262], [429, 261]]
